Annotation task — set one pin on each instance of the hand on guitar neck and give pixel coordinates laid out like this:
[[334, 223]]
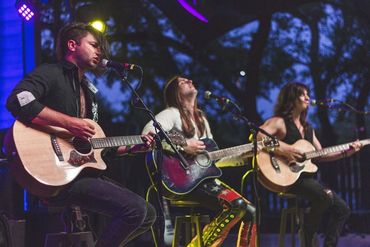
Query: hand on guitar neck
[[293, 153], [148, 144], [344, 151]]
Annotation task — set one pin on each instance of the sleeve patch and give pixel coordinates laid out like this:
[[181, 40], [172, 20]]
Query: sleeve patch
[[25, 97]]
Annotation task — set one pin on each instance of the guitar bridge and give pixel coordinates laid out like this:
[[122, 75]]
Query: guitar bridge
[[56, 147], [274, 162]]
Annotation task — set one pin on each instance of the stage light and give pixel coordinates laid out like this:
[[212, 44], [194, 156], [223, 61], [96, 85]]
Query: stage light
[[192, 10], [98, 25], [91, 13], [25, 9]]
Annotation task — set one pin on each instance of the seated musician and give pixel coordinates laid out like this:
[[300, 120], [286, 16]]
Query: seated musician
[[60, 95], [182, 113], [290, 125]]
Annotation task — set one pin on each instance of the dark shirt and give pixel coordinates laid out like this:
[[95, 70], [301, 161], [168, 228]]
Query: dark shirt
[[293, 134], [55, 86]]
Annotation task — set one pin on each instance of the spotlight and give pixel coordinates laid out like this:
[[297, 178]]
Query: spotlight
[[25, 9], [91, 13], [98, 25]]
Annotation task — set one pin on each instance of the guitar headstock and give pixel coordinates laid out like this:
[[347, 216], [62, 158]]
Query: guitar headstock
[[177, 137], [269, 143]]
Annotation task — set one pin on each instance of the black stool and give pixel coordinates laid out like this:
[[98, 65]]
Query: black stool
[[296, 214], [190, 224], [69, 239], [74, 234]]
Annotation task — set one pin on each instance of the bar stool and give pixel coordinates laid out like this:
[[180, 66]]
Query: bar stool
[[190, 223], [296, 214], [69, 239], [75, 233]]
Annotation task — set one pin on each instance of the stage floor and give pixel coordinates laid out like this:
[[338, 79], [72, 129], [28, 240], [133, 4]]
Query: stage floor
[[271, 240]]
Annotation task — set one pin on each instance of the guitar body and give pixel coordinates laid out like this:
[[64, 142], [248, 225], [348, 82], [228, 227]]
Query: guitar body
[[34, 160], [280, 174], [179, 180]]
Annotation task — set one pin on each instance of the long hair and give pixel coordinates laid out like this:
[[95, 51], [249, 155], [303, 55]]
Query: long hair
[[287, 98], [172, 98], [76, 31]]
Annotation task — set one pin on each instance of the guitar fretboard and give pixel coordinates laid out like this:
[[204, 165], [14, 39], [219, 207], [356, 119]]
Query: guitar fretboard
[[115, 141], [334, 149], [219, 154]]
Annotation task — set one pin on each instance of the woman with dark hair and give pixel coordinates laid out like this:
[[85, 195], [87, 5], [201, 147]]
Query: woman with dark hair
[[183, 114], [290, 125]]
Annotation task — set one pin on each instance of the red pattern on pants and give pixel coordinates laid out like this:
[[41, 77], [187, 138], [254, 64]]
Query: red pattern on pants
[[235, 209]]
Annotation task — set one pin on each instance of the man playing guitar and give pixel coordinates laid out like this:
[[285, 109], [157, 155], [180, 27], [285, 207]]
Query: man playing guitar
[[60, 95]]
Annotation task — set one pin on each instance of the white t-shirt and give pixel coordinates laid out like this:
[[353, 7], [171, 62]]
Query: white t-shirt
[[170, 118]]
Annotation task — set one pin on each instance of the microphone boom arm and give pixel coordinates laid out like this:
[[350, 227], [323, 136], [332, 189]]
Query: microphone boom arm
[[160, 131]]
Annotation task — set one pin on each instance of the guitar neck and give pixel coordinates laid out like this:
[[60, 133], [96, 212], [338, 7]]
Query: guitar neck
[[333, 149], [115, 141], [219, 154]]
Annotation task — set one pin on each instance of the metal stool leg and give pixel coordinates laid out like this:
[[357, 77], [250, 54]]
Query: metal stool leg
[[188, 229], [301, 236], [178, 228], [191, 226], [292, 224], [198, 230], [284, 214]]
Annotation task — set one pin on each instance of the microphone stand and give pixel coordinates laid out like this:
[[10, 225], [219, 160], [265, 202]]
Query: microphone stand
[[160, 135], [330, 103], [254, 129]]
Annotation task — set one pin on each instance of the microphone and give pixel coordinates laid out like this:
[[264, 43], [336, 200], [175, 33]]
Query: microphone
[[322, 102], [105, 63], [220, 100]]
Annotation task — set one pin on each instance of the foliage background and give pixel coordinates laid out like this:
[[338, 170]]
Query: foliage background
[[325, 44]]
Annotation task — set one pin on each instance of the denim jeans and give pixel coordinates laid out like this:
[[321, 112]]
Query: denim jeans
[[323, 201], [130, 215]]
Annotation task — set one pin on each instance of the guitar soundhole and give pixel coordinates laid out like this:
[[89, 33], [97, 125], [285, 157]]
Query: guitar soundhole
[[82, 145], [203, 160]]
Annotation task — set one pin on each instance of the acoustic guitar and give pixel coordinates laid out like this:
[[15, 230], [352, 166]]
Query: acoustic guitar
[[43, 159], [182, 178], [278, 174]]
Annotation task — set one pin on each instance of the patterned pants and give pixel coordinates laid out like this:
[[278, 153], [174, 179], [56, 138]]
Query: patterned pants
[[232, 208]]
